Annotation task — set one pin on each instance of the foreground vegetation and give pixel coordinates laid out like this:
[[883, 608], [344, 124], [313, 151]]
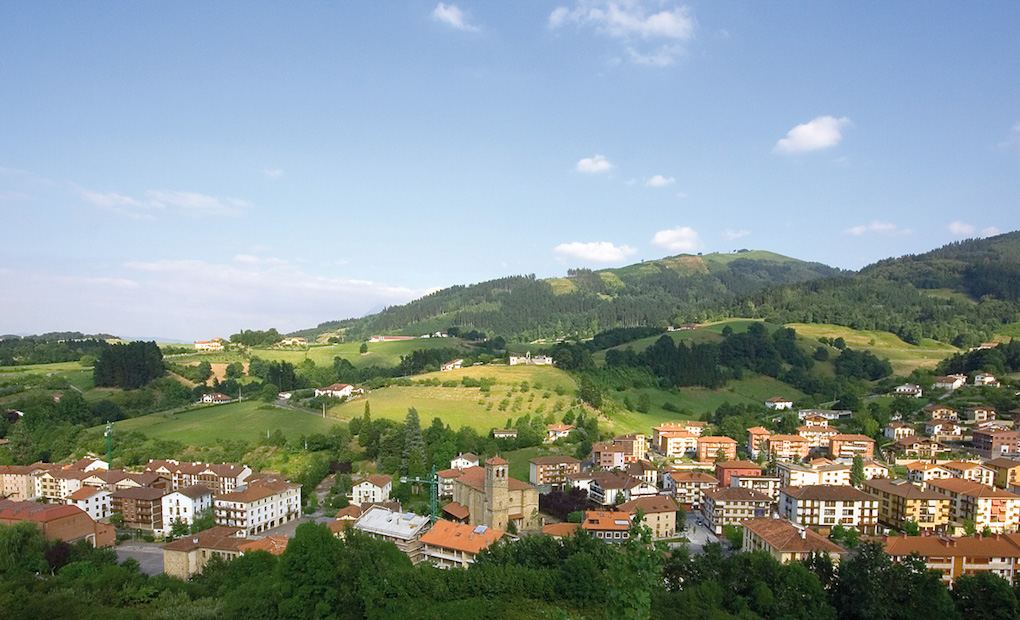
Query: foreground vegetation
[[319, 576]]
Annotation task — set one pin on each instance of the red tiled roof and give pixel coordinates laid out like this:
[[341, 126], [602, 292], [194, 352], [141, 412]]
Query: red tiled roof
[[649, 505], [560, 530], [613, 520], [378, 480], [34, 511], [460, 537], [474, 477], [457, 511], [275, 545], [785, 537]]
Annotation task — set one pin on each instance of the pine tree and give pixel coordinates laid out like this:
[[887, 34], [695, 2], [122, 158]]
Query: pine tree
[[857, 471], [414, 455]]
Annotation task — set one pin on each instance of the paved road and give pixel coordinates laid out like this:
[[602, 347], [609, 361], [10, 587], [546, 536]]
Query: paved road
[[698, 535], [149, 555]]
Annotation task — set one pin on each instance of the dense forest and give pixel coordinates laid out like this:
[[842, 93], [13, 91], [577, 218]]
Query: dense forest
[[129, 366]]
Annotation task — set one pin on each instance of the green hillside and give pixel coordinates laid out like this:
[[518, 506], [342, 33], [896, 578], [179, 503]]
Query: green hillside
[[673, 289], [245, 421]]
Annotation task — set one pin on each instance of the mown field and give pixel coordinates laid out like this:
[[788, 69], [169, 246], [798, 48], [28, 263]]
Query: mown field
[[379, 353], [462, 406], [245, 421]]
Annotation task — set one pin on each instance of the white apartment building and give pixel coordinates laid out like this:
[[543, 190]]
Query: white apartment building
[[95, 502], [185, 504], [823, 507], [262, 505], [373, 489]]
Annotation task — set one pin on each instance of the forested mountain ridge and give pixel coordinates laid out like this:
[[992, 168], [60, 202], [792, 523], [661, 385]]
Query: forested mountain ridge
[[975, 267], [961, 293], [657, 292]]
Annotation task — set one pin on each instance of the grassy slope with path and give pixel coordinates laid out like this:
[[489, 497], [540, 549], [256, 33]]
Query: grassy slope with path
[[246, 421]]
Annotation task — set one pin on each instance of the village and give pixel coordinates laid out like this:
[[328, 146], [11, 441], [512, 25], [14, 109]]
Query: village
[[946, 488]]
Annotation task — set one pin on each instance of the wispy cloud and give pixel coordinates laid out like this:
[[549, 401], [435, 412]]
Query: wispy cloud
[[963, 229], [602, 252], [155, 201], [878, 227], [633, 21], [197, 204], [1012, 141], [660, 181], [731, 235], [821, 133], [451, 15], [273, 174], [679, 239], [594, 165]]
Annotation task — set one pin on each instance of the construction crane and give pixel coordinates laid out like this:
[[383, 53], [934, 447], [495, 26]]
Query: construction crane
[[433, 483]]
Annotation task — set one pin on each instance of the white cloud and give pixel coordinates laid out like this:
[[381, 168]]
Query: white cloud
[[197, 204], [190, 203], [660, 181], [595, 252], [820, 133], [884, 228], [632, 20], [679, 239], [730, 235], [662, 57], [1012, 141], [961, 229], [273, 174], [451, 15], [593, 165]]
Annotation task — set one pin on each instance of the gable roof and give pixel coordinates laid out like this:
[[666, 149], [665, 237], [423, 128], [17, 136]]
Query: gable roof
[[738, 494], [474, 477], [786, 537], [649, 505], [831, 492], [461, 537]]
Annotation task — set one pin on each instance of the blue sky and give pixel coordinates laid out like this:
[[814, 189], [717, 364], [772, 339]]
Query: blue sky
[[186, 170]]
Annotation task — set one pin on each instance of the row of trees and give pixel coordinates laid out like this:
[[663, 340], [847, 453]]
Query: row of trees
[[49, 348], [321, 576]]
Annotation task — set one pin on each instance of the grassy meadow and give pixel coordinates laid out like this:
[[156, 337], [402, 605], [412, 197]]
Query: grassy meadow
[[246, 421], [461, 406], [904, 357]]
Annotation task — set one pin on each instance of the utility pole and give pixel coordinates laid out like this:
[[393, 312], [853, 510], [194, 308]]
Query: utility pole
[[433, 483]]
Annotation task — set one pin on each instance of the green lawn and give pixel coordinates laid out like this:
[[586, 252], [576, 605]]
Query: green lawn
[[699, 401], [379, 353], [904, 357], [461, 406], [247, 421], [38, 369]]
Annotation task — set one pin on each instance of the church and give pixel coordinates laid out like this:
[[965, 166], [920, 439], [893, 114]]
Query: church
[[489, 496]]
